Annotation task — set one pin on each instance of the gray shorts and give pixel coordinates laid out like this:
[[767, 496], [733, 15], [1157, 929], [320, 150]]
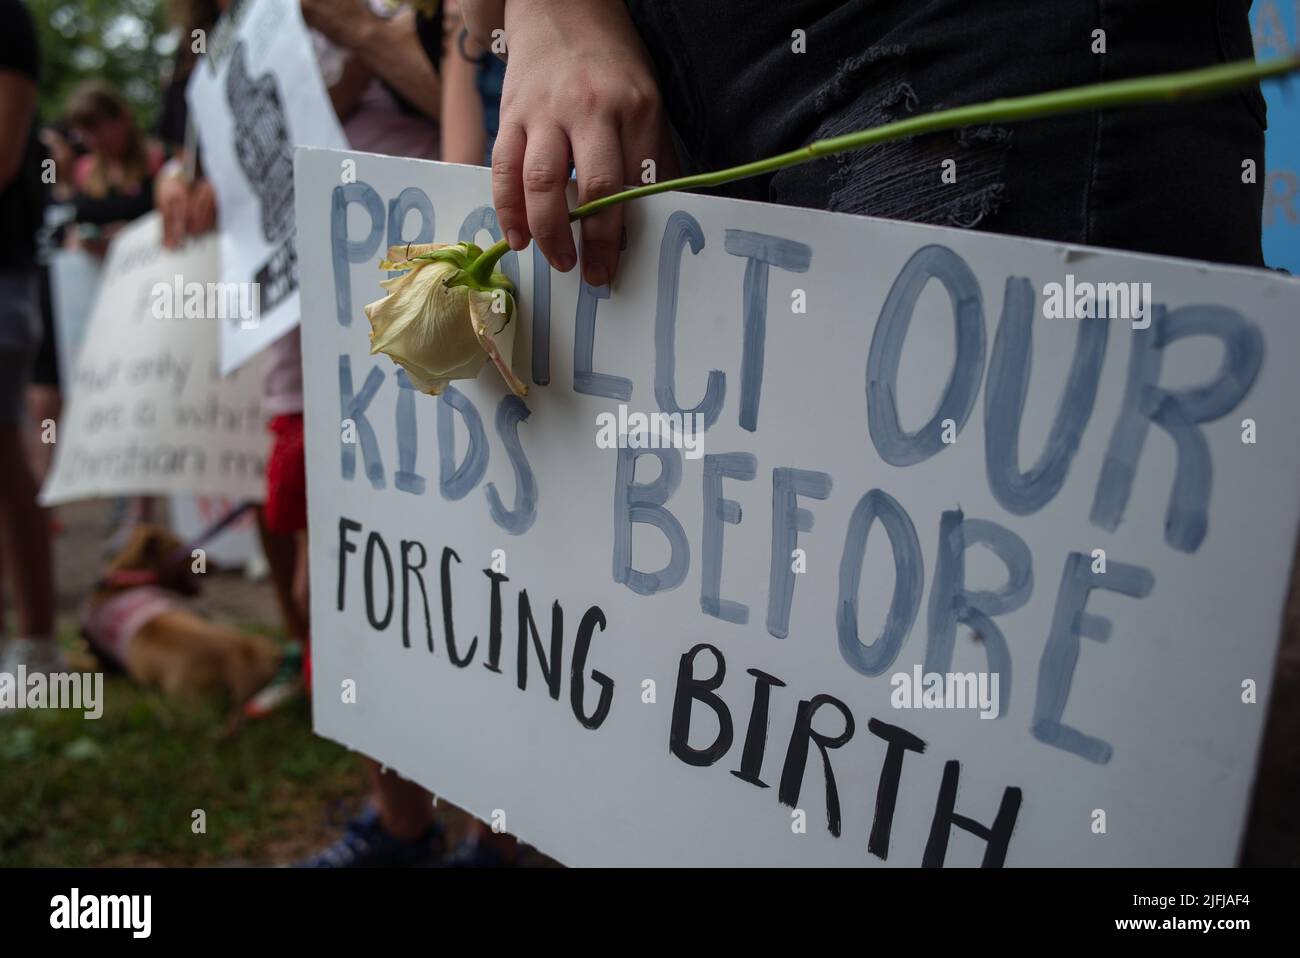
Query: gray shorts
[[20, 338]]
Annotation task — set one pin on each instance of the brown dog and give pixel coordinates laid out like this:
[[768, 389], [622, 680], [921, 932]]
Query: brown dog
[[133, 620]]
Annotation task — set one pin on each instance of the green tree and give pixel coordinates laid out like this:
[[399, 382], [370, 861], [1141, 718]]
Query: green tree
[[126, 42]]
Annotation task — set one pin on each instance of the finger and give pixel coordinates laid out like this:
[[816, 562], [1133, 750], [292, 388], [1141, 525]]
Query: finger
[[508, 185], [173, 223], [545, 175], [200, 214], [598, 159], [646, 137]]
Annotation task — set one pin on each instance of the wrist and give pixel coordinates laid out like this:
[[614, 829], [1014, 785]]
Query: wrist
[[481, 18], [567, 26]]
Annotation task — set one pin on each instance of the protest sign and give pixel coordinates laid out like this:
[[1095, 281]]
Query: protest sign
[[1274, 24], [255, 96], [775, 642], [148, 411]]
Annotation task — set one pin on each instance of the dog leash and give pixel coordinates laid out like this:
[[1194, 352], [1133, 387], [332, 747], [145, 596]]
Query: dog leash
[[136, 577]]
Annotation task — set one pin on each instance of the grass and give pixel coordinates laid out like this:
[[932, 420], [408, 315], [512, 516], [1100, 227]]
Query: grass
[[122, 790]]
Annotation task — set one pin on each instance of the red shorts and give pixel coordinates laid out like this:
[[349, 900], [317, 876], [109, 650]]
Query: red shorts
[[286, 477]]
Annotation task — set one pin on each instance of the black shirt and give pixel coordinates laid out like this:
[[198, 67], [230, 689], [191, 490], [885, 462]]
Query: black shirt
[[746, 79], [21, 201]]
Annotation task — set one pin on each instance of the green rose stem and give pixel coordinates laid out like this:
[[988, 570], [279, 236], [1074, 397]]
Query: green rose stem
[[1167, 87]]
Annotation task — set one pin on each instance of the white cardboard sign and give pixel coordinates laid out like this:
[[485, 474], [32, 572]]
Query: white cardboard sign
[[535, 627], [255, 96], [148, 411]]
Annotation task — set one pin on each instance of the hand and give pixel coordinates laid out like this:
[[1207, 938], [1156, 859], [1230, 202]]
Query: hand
[[389, 48], [171, 198], [201, 216], [580, 89]]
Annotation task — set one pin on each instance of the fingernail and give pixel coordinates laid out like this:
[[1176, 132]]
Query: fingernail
[[566, 262], [597, 274], [515, 239]]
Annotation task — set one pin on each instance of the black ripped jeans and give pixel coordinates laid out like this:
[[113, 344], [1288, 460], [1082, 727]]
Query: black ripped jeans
[[1163, 179]]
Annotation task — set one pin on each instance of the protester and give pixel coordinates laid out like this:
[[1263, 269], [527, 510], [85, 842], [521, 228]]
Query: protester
[[113, 180], [592, 80], [113, 186], [24, 526], [472, 78], [380, 74], [399, 827], [183, 196], [61, 147]]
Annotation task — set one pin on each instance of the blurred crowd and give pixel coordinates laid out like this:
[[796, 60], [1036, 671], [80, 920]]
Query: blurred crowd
[[404, 81]]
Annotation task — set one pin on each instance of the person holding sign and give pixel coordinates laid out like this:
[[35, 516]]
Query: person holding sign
[[592, 81], [114, 180], [24, 526]]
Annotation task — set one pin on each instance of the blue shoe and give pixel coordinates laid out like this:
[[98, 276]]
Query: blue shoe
[[365, 844]]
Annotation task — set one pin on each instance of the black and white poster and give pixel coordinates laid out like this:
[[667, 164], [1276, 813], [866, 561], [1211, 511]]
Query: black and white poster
[[259, 94]]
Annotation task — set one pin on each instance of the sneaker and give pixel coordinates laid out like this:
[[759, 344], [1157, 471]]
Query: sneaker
[[473, 853], [365, 844], [272, 697], [284, 687]]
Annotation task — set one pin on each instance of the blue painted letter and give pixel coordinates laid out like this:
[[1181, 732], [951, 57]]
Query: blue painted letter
[[343, 251], [762, 251], [681, 229], [1178, 412], [455, 483], [643, 502], [896, 447], [788, 520], [1004, 404], [510, 413], [1061, 655], [952, 605], [909, 575], [717, 510], [353, 408]]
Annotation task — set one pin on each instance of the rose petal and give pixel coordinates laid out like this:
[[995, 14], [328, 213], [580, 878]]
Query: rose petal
[[483, 319]]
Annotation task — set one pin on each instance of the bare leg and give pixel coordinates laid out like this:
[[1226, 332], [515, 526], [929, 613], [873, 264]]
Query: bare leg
[[25, 539], [405, 809], [301, 580], [281, 556]]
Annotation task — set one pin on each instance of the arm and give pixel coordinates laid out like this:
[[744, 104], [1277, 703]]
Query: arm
[[346, 94], [188, 206], [482, 17], [389, 48], [463, 136], [17, 111]]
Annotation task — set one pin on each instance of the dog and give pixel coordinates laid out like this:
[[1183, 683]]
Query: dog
[[134, 621]]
